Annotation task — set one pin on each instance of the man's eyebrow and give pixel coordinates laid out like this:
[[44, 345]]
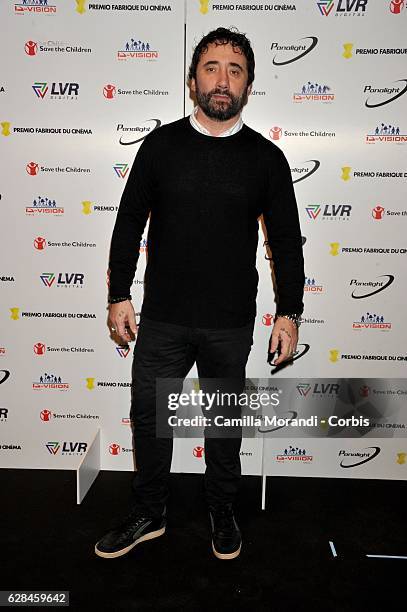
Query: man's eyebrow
[[216, 63]]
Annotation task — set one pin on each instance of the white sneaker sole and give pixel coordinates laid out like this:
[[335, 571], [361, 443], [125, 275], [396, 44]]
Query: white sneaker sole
[[232, 555], [120, 553]]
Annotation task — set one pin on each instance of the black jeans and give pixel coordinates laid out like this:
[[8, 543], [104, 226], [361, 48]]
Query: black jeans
[[164, 350]]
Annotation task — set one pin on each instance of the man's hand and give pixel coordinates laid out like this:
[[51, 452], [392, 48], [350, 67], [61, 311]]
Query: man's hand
[[285, 334], [122, 315]]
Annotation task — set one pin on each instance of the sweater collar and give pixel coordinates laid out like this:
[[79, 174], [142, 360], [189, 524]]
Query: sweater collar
[[200, 128]]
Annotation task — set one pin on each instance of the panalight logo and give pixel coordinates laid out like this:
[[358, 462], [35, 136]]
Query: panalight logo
[[305, 170], [377, 212], [31, 47], [5, 128], [45, 415], [109, 91], [15, 314], [299, 50], [40, 243], [121, 170], [353, 459], [144, 128], [370, 286], [379, 96], [4, 375], [32, 168], [198, 452], [34, 6], [114, 449], [385, 133], [275, 132], [397, 6], [314, 92], [303, 389], [137, 49], [346, 170], [39, 348], [347, 50]]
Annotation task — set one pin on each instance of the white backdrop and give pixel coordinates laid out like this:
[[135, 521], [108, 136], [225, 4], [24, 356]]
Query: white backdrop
[[81, 83]]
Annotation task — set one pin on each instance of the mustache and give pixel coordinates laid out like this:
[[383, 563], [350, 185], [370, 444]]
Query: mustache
[[221, 92]]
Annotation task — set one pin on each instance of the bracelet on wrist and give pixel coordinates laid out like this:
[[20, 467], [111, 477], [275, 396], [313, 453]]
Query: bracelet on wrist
[[116, 300], [293, 317]]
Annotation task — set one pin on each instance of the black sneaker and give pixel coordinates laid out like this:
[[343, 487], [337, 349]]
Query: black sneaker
[[132, 530], [226, 536]]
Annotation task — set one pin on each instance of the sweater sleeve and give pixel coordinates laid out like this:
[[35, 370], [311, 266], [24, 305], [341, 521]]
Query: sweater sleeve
[[281, 219], [134, 209]]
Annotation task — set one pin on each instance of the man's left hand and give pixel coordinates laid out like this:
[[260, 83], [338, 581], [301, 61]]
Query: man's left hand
[[285, 334]]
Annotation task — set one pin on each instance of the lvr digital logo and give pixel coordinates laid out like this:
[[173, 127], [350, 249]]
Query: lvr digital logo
[[121, 170], [63, 279], [355, 7], [57, 89]]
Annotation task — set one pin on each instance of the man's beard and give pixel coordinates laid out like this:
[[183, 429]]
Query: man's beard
[[218, 110]]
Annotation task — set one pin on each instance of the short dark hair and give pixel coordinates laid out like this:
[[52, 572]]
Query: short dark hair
[[224, 36]]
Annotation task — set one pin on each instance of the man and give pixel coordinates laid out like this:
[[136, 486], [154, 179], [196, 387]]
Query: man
[[204, 180]]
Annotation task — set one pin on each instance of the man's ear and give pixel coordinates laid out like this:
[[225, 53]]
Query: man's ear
[[249, 89], [192, 85]]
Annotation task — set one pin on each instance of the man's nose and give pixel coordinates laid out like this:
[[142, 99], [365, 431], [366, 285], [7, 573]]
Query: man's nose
[[223, 78]]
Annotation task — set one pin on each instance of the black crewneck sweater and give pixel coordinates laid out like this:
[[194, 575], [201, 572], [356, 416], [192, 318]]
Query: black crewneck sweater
[[204, 195]]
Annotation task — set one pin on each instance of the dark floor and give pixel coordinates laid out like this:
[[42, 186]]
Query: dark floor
[[286, 561]]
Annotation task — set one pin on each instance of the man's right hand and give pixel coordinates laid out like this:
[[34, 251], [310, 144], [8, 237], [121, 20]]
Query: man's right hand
[[121, 315]]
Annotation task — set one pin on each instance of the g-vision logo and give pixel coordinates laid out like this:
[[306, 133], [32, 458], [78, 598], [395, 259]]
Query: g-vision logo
[[377, 286], [359, 457], [383, 92], [299, 49], [305, 170]]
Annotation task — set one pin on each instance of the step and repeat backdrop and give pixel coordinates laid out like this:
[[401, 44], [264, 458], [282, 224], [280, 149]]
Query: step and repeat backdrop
[[82, 84]]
